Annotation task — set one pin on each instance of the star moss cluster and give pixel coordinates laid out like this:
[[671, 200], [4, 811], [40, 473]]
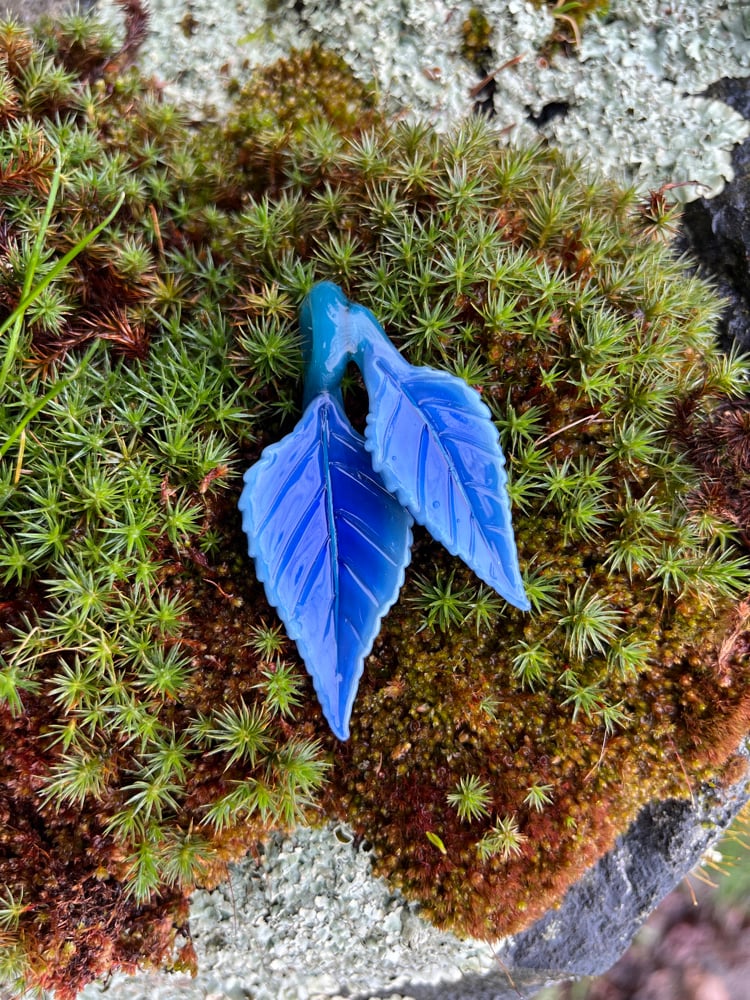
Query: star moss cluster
[[154, 720]]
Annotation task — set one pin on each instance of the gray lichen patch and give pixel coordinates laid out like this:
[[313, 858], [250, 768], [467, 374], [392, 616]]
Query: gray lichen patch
[[631, 94], [634, 92], [411, 49], [307, 919]]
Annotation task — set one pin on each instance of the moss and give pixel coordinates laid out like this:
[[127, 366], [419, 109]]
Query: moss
[[570, 17], [156, 721], [476, 47], [282, 100], [597, 780]]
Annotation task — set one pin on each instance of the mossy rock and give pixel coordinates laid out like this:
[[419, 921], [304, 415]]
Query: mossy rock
[[155, 722]]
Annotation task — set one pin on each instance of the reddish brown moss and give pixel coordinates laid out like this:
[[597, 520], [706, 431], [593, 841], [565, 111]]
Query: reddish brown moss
[[79, 921], [688, 719]]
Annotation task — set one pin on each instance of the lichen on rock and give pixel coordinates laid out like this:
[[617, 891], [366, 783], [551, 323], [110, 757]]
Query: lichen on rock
[[625, 84]]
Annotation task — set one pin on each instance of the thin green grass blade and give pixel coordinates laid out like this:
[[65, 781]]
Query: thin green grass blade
[[15, 318], [42, 402]]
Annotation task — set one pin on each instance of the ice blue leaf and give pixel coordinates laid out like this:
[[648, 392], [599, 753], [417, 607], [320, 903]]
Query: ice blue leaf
[[330, 545], [434, 445]]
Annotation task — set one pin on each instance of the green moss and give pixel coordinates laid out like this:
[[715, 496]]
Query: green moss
[[570, 17], [154, 720], [569, 20], [311, 91], [476, 47]]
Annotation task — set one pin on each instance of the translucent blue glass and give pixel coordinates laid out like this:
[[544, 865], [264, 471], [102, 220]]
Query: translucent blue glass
[[328, 513]]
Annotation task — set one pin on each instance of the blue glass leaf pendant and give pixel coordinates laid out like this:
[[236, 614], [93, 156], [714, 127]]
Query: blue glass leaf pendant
[[330, 545], [328, 513]]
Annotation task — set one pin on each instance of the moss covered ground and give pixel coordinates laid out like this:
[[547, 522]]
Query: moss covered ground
[[154, 720]]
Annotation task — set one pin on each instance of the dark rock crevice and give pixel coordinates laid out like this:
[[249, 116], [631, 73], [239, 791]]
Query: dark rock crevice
[[717, 230]]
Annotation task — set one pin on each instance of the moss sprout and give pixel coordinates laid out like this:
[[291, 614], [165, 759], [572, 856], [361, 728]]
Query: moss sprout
[[156, 721], [470, 798], [504, 840]]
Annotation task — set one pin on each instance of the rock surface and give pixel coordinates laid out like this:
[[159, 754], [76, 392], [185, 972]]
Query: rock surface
[[718, 229], [696, 946], [632, 91], [601, 913]]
